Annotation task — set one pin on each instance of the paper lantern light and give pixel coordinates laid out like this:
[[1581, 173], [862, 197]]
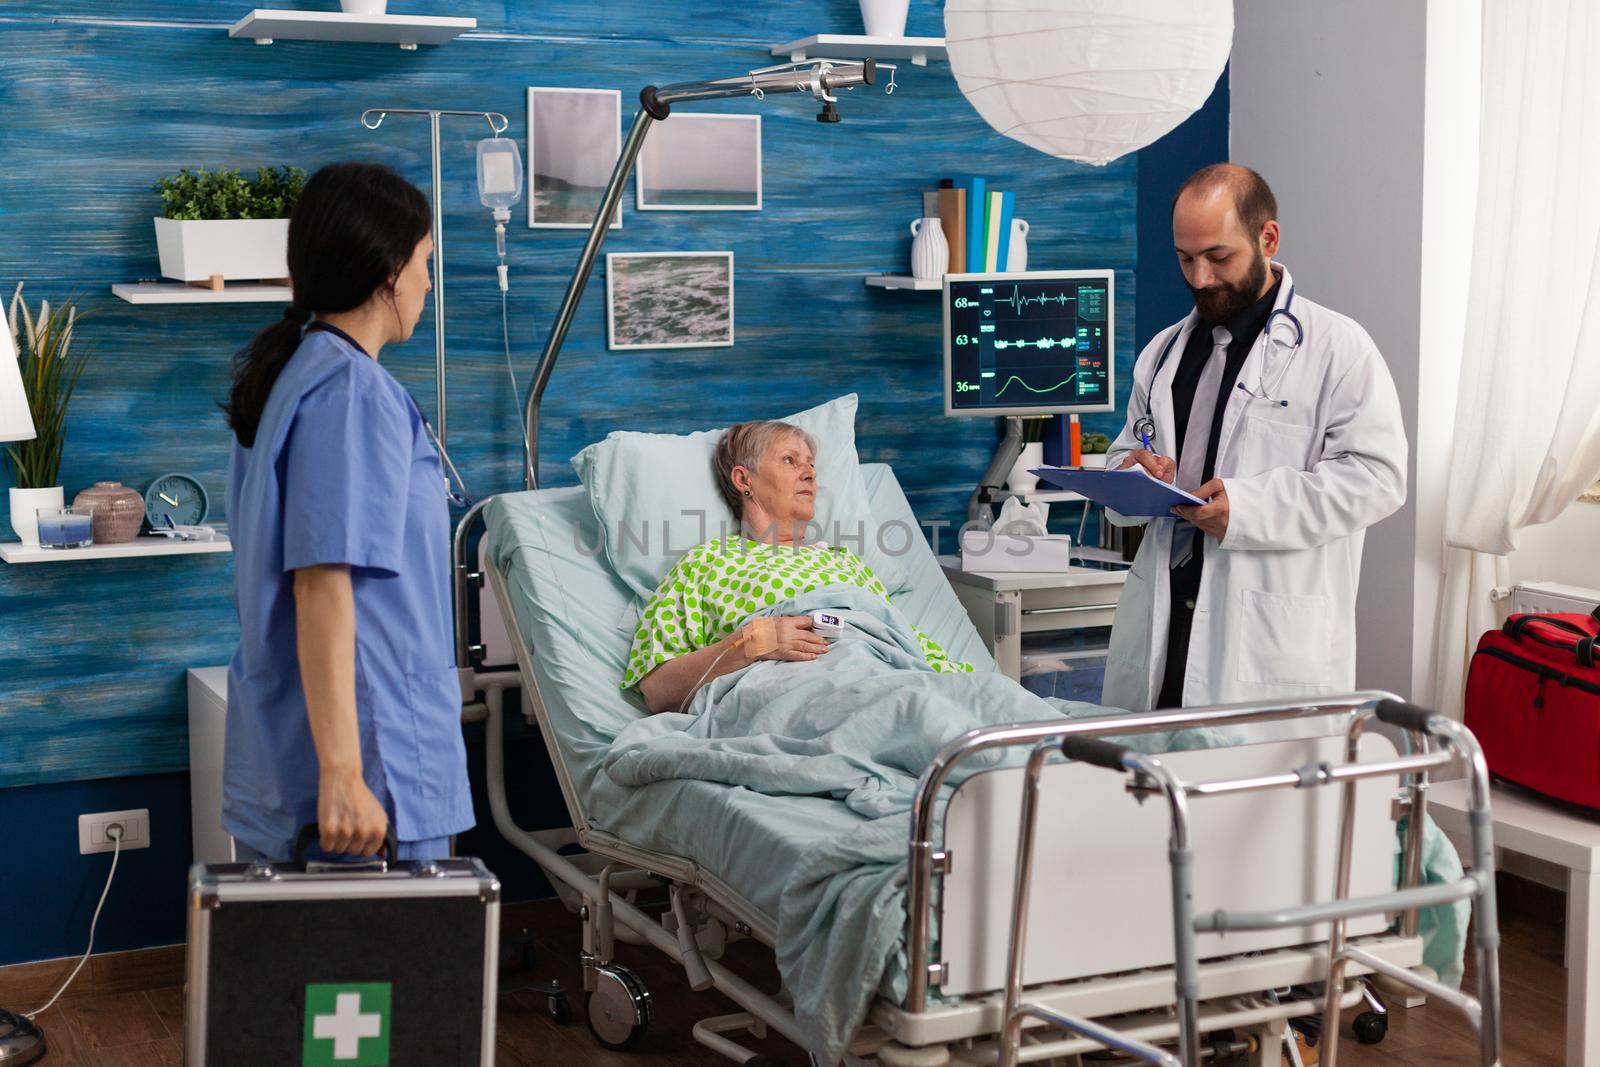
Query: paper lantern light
[[1087, 80]]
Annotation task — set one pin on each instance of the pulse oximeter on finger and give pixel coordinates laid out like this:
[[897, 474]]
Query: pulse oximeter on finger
[[827, 625]]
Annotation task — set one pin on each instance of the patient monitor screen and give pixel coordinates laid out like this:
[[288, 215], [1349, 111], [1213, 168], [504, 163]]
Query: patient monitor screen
[[1030, 343]]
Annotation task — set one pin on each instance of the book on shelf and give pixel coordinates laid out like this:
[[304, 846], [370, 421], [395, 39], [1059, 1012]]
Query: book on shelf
[[953, 220]]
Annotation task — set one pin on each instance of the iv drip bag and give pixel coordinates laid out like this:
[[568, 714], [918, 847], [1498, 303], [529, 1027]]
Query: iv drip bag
[[499, 173]]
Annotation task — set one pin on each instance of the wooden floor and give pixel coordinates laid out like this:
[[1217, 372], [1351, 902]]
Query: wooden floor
[[107, 1024]]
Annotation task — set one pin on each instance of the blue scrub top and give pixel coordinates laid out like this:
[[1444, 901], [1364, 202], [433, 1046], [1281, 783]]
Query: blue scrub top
[[342, 472]]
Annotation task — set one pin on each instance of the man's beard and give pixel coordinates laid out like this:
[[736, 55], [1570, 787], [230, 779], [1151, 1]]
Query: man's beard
[[1221, 302]]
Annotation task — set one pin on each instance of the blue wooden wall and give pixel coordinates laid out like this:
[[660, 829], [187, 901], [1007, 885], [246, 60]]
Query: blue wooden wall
[[98, 99]]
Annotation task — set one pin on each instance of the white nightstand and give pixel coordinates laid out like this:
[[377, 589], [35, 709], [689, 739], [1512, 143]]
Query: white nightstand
[[1525, 824], [208, 718], [1004, 606]]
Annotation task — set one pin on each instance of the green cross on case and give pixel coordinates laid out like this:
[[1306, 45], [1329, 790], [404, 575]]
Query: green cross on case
[[347, 1025]]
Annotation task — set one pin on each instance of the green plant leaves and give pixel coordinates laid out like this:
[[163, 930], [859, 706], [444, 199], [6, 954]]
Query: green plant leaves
[[49, 376], [224, 194]]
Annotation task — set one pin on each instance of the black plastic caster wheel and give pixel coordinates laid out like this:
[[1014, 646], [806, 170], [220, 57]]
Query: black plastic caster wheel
[[618, 1011], [1370, 1027], [560, 1009]]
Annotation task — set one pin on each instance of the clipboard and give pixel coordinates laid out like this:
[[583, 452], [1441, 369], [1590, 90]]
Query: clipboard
[[1132, 492]]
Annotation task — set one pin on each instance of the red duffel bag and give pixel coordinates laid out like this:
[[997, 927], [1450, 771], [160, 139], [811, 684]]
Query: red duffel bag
[[1533, 702]]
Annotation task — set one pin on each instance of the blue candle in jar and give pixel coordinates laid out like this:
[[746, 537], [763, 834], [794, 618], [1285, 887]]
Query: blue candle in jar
[[62, 529]]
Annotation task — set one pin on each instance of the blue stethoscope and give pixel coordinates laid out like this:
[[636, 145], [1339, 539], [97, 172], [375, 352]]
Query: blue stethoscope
[[1281, 317]]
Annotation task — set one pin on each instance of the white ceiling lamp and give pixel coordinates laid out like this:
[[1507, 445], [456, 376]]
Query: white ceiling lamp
[[1087, 80], [16, 421]]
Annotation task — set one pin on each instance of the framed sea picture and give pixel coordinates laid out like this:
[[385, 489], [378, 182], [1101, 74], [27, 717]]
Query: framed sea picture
[[574, 138], [669, 299], [701, 163]]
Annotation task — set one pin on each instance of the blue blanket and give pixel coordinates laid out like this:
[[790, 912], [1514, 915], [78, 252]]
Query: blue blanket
[[859, 725]]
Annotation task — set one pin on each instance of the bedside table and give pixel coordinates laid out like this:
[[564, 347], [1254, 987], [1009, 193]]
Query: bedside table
[[1006, 605]]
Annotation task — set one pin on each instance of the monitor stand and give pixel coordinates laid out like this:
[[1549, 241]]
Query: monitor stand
[[980, 506]]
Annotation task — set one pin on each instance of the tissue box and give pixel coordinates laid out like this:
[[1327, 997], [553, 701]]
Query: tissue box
[[984, 550]]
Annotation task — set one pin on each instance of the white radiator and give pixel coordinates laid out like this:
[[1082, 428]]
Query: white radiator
[[1553, 597]]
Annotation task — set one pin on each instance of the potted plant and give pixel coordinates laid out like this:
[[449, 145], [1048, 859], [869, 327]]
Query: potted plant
[[49, 375], [218, 226]]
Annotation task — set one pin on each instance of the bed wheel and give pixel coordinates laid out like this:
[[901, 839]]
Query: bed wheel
[[1370, 1027], [618, 1011], [560, 1009]]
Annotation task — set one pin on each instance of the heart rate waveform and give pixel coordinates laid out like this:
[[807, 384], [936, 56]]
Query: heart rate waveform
[[1018, 301], [1001, 343], [998, 393]]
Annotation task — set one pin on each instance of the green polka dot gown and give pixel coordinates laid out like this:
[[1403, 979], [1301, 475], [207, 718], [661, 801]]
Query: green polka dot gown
[[716, 587]]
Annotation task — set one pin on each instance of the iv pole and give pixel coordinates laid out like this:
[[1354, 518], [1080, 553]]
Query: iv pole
[[492, 118], [819, 77]]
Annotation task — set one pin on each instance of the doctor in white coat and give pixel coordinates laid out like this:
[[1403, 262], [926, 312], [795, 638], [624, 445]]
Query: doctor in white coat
[[1282, 416]]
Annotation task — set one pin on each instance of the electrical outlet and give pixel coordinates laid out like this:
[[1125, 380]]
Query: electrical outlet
[[92, 830]]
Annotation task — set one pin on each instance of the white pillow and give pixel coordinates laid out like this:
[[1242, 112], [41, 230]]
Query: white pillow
[[656, 496]]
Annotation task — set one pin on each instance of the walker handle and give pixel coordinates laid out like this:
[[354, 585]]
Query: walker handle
[[1406, 716], [1099, 753]]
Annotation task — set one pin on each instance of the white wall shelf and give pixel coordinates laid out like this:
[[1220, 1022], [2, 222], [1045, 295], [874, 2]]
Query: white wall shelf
[[858, 46], [265, 26], [903, 281], [148, 545], [179, 293]]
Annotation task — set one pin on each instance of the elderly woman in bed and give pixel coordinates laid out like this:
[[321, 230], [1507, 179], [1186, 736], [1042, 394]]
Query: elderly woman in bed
[[699, 625]]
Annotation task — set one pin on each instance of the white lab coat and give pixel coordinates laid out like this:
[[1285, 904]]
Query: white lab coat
[[1275, 617]]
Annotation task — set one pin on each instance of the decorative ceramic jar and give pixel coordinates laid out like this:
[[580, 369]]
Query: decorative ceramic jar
[[884, 18], [1021, 479], [1017, 249], [930, 252], [118, 511]]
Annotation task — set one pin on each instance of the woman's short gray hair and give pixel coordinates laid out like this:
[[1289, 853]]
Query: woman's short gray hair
[[744, 445]]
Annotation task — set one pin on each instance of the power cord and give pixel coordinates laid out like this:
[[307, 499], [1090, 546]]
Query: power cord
[[114, 832]]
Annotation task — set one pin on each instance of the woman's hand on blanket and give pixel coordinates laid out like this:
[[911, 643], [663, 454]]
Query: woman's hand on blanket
[[795, 640]]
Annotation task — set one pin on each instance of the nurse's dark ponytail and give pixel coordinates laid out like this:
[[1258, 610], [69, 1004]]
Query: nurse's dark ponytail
[[352, 231]]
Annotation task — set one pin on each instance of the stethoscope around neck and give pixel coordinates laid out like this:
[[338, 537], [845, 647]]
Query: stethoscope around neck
[[1277, 321]]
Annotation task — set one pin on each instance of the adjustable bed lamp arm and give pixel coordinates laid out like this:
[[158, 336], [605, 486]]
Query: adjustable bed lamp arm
[[818, 77]]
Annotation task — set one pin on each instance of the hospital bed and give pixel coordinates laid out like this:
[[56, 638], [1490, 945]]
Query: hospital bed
[[1032, 933]]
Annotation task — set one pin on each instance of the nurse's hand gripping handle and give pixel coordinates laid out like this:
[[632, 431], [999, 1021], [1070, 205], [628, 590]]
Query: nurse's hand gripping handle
[[1094, 751], [311, 831], [1405, 716]]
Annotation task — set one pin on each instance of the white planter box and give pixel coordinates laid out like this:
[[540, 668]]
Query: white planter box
[[232, 249]]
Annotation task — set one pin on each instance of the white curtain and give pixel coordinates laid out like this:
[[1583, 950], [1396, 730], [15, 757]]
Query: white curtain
[[1527, 427]]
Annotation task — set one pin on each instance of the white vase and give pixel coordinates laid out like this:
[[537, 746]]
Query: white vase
[[1020, 480], [1017, 250], [199, 250], [363, 7], [930, 252], [25, 507], [884, 18]]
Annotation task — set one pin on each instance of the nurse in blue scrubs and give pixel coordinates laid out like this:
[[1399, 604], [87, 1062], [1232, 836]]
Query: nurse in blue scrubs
[[343, 704]]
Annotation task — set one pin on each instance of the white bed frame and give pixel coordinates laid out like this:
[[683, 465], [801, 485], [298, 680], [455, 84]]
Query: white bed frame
[[1099, 949]]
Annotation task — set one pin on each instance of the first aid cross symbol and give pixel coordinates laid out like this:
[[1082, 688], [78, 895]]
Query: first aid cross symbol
[[347, 1025]]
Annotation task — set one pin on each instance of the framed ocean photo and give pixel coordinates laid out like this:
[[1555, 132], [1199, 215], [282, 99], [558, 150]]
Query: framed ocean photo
[[574, 138], [669, 299], [701, 163]]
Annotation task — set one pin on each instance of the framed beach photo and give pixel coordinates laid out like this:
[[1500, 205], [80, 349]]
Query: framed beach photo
[[669, 299], [574, 138], [701, 163]]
